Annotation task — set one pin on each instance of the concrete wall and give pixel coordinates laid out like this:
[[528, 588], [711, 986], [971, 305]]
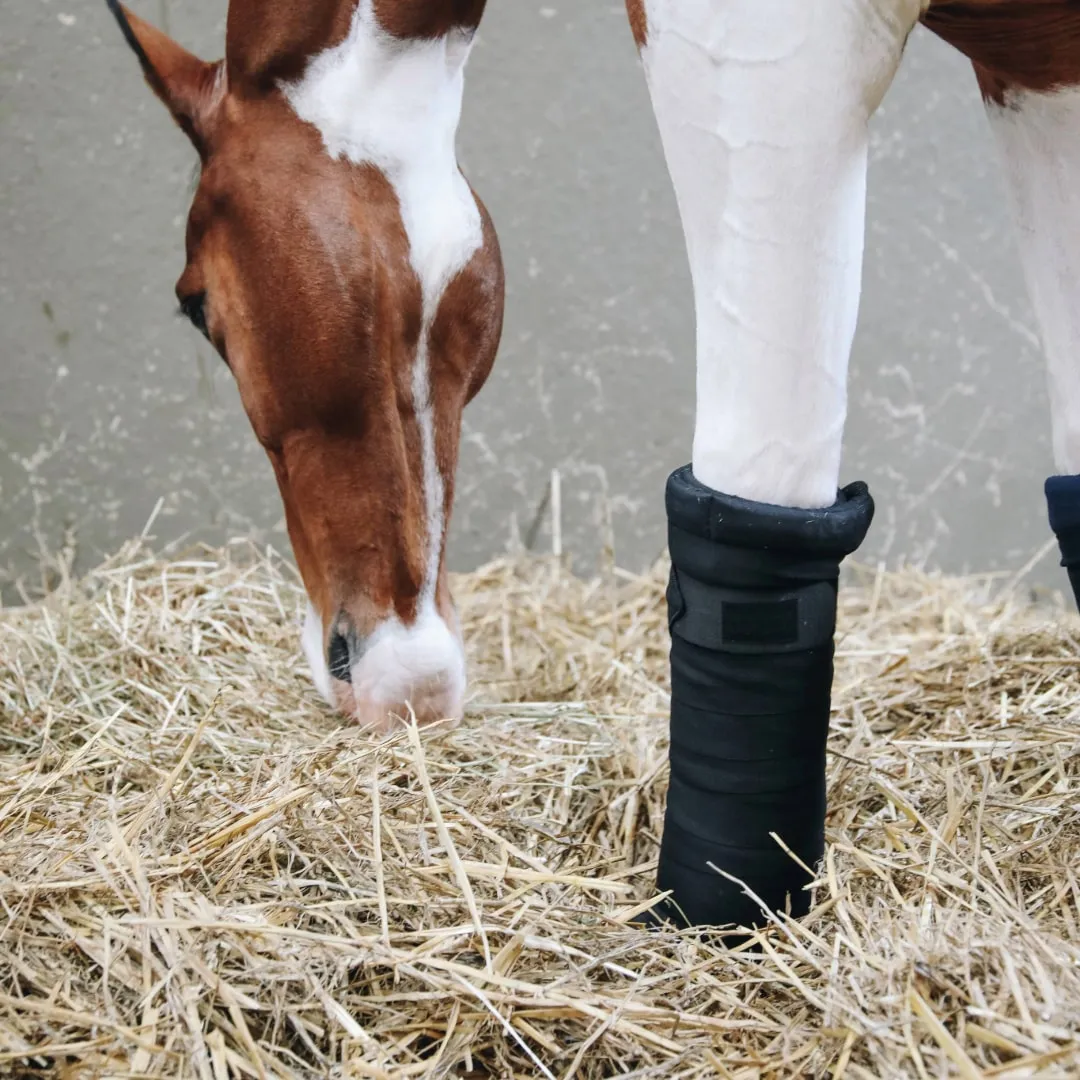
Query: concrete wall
[[108, 402]]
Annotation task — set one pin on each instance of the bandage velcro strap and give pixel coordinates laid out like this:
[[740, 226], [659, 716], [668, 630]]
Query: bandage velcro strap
[[751, 621]]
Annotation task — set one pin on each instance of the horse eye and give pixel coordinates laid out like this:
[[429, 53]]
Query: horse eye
[[193, 308]]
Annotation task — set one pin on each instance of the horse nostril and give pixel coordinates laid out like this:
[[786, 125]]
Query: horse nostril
[[338, 658]]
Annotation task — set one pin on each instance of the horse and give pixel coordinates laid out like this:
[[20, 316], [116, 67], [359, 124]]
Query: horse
[[350, 277]]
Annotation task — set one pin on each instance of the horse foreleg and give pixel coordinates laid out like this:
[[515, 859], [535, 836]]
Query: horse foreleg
[[762, 107], [1038, 135], [1027, 60]]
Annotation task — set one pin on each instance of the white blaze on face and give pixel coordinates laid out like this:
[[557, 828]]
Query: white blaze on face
[[395, 104], [762, 106], [1038, 135]]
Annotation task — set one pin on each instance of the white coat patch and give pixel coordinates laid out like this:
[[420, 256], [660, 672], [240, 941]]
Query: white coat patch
[[1038, 136], [762, 106], [411, 664]]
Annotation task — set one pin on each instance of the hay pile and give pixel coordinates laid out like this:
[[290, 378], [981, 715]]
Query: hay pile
[[204, 875]]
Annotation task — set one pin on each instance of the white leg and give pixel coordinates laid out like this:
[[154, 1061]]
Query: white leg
[[1038, 135], [763, 108]]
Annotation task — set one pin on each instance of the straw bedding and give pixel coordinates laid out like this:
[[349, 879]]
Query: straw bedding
[[204, 874]]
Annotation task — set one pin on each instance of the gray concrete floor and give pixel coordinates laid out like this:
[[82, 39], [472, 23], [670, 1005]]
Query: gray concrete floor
[[108, 402]]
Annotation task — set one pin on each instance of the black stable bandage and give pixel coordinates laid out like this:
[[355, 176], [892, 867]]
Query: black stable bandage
[[752, 612], [1063, 504]]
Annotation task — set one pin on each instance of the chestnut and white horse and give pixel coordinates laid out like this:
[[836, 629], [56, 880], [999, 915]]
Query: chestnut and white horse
[[350, 277]]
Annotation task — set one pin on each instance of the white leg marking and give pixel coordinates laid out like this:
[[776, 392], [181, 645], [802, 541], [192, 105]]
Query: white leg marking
[[312, 640], [762, 106], [1038, 136], [396, 105]]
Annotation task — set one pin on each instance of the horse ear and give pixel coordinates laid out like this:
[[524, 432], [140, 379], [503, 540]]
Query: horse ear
[[189, 87]]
